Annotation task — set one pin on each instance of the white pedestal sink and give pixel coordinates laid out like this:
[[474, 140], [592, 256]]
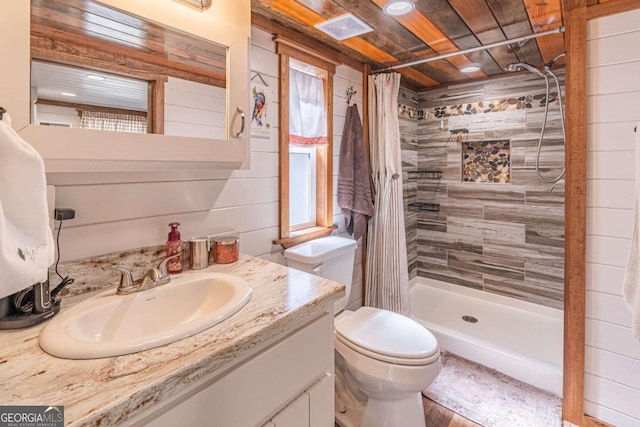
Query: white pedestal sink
[[112, 325]]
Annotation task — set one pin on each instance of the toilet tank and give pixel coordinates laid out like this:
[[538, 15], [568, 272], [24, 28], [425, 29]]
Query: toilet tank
[[329, 257]]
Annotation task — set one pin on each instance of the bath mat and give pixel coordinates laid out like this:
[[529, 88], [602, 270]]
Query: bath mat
[[490, 398]]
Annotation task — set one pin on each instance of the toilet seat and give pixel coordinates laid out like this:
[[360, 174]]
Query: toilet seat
[[386, 336]]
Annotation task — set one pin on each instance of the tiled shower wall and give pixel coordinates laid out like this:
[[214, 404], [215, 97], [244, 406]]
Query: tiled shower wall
[[504, 238], [408, 107]]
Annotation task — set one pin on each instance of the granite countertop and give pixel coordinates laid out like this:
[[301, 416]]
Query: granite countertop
[[110, 390]]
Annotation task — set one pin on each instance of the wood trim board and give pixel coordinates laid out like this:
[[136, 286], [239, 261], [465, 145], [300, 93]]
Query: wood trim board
[[283, 100], [575, 212], [324, 178], [156, 106]]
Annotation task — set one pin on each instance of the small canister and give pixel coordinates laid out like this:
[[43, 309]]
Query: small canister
[[199, 253], [226, 249]]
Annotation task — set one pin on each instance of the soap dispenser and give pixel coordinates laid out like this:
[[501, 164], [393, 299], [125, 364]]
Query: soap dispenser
[[174, 246]]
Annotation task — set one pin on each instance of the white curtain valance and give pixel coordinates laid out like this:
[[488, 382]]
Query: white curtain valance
[[307, 112]]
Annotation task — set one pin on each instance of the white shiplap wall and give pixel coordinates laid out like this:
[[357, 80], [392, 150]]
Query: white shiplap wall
[[55, 114], [194, 109], [612, 372], [114, 217]]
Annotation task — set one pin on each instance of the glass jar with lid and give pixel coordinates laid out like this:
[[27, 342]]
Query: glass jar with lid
[[226, 248]]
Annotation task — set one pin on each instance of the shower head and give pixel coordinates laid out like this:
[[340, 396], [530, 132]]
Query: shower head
[[518, 66]]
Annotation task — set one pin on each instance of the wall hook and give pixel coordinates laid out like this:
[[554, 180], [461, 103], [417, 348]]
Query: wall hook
[[350, 92]]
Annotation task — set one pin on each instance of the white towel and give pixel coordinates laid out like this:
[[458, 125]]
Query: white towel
[[631, 284], [26, 243]]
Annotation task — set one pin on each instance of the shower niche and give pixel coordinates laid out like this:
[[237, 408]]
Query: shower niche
[[487, 161]]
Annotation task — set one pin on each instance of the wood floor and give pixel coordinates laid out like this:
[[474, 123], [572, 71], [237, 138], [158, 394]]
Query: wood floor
[[439, 416]]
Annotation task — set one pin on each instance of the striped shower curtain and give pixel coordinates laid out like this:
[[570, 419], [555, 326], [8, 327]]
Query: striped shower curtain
[[387, 274]]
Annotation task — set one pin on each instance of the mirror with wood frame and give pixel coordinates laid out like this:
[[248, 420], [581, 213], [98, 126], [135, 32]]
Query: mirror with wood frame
[[97, 67]]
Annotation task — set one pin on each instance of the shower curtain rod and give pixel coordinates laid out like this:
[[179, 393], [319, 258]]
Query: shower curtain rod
[[473, 49]]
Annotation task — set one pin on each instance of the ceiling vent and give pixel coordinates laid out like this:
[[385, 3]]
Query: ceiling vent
[[344, 26]]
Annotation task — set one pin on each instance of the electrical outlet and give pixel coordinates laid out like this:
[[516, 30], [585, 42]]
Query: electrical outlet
[[62, 214]]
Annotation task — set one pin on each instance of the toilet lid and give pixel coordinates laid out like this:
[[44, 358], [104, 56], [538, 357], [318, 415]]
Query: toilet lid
[[386, 333]]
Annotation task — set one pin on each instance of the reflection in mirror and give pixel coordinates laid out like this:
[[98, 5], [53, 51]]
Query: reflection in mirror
[[127, 73], [75, 97]]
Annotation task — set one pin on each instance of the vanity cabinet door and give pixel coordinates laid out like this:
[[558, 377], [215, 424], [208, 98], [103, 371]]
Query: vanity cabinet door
[[314, 408], [322, 402], [294, 415]]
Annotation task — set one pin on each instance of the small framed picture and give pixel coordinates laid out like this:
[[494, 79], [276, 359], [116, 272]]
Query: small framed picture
[[261, 96]]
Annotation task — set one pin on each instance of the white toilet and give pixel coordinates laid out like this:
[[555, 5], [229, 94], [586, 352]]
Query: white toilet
[[391, 357]]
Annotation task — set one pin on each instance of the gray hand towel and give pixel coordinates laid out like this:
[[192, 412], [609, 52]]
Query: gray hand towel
[[355, 189]]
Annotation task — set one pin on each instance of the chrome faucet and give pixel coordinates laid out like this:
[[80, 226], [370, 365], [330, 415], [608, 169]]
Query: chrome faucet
[[152, 278]]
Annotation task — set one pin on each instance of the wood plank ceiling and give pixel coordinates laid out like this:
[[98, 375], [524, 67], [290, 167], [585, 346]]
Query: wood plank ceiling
[[435, 27]]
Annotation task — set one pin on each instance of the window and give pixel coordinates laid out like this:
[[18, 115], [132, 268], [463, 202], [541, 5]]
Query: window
[[306, 146], [307, 130], [302, 187]]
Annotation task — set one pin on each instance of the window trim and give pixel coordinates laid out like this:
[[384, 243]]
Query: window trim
[[324, 154]]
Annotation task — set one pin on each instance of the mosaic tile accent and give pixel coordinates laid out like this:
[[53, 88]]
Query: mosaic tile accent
[[407, 112], [483, 107], [486, 161]]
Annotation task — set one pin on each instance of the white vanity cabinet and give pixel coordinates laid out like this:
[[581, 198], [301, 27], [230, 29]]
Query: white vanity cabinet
[[314, 408], [288, 382], [294, 415]]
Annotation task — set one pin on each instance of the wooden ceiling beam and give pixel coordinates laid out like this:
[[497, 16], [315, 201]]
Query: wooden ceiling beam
[[545, 16], [423, 28]]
